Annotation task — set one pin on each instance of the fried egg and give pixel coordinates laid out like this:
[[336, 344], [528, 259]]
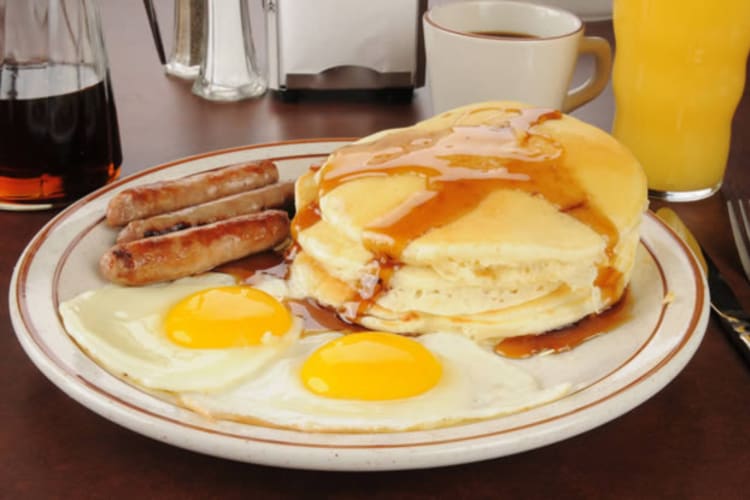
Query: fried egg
[[200, 333], [376, 381]]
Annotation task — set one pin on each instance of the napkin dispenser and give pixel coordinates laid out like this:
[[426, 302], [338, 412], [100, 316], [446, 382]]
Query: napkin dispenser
[[352, 45]]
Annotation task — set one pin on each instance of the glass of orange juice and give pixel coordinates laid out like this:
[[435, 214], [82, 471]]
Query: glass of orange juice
[[678, 75]]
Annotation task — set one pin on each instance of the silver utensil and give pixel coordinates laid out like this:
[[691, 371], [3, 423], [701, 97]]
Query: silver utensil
[[724, 303], [738, 219], [734, 319]]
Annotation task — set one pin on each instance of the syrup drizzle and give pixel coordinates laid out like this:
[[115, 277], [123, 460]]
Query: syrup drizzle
[[245, 269], [568, 337], [316, 318], [305, 218]]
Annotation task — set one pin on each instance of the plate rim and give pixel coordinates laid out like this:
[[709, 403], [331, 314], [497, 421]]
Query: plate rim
[[341, 457]]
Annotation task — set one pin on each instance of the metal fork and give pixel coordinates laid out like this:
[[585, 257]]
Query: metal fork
[[738, 218]]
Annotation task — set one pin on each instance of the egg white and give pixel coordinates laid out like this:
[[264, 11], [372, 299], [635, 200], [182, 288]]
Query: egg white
[[476, 384], [121, 328]]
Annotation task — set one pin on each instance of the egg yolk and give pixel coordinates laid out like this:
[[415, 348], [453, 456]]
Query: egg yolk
[[371, 366], [225, 317]]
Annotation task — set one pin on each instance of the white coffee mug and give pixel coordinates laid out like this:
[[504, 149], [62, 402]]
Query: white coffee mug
[[504, 50]]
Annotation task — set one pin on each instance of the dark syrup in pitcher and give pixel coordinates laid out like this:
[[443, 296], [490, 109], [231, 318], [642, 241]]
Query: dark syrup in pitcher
[[59, 137]]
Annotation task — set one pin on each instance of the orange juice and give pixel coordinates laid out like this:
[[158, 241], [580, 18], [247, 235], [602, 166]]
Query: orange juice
[[679, 73]]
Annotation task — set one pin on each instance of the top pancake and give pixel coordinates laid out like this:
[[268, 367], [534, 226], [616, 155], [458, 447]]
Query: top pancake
[[513, 222]]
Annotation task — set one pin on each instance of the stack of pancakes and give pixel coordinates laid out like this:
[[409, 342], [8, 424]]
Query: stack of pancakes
[[491, 220]]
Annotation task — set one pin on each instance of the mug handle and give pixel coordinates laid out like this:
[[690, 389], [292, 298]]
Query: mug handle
[[592, 87]]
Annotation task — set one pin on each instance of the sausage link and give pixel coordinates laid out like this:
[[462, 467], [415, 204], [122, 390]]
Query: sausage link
[[192, 251], [272, 196], [167, 196]]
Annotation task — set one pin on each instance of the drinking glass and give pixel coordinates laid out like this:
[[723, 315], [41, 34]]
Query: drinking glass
[[678, 76]]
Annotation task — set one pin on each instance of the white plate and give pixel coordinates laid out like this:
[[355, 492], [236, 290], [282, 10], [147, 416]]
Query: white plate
[[611, 374]]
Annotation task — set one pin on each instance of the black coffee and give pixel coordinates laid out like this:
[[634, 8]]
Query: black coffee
[[506, 34]]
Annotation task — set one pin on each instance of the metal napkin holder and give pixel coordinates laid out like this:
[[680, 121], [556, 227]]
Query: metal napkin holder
[[352, 45]]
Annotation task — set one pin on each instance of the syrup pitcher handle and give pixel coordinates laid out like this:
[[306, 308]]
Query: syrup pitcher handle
[[602, 52], [154, 23]]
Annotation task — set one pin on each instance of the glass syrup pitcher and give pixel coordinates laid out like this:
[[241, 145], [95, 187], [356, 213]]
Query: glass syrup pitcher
[[59, 137]]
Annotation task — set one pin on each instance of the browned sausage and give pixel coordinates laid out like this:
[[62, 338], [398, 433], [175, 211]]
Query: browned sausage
[[195, 250], [273, 196], [167, 196]]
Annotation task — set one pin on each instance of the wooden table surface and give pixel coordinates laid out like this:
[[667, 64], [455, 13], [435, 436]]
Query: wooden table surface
[[691, 440]]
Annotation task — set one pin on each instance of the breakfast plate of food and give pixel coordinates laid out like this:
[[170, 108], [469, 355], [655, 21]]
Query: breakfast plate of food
[[482, 283]]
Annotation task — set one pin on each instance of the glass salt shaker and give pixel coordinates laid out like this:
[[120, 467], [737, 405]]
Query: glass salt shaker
[[228, 70]]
